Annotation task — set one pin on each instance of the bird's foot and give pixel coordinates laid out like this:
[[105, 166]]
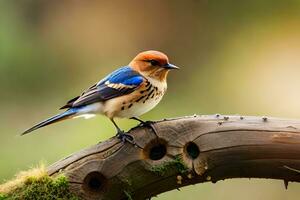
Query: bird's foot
[[125, 137], [150, 124], [143, 123], [147, 123]]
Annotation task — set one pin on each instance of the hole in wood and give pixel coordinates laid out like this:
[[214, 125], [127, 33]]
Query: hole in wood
[[192, 150], [94, 182], [156, 149], [157, 152]]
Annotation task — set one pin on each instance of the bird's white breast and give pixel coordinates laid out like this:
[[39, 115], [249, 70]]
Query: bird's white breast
[[138, 109], [136, 103]]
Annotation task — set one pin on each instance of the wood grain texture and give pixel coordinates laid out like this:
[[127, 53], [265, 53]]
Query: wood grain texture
[[185, 151]]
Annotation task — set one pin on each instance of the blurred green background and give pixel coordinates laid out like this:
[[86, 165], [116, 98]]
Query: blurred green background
[[236, 57]]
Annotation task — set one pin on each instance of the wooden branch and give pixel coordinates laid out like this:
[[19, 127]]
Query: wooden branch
[[185, 151]]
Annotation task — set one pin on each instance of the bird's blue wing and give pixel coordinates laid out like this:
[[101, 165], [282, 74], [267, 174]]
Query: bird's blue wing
[[125, 75], [123, 81]]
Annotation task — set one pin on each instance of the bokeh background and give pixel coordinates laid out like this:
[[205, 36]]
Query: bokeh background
[[236, 57]]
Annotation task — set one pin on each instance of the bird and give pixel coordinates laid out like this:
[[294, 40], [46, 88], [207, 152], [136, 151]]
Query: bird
[[128, 92]]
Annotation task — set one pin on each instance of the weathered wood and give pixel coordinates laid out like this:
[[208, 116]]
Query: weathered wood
[[185, 151]]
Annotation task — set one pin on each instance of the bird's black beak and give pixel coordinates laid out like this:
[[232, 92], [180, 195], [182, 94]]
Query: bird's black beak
[[170, 66]]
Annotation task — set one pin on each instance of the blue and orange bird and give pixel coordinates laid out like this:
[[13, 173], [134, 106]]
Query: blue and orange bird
[[128, 92]]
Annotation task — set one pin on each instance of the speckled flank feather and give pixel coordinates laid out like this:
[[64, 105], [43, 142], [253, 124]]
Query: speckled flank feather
[[145, 98]]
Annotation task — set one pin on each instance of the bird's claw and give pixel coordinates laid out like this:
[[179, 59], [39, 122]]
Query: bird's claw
[[125, 137], [143, 123], [146, 123], [149, 124]]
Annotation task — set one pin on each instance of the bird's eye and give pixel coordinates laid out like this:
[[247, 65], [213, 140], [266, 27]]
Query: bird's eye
[[154, 62]]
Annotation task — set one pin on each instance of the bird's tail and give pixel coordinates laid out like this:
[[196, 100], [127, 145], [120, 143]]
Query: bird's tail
[[62, 116]]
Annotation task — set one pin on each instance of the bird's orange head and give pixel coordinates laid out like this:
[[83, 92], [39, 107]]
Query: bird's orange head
[[152, 64]]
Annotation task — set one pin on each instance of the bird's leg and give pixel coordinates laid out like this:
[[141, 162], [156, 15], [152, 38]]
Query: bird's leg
[[146, 123], [139, 120], [124, 137], [143, 123]]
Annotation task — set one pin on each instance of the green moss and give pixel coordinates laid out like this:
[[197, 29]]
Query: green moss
[[3, 196], [45, 187], [176, 164]]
